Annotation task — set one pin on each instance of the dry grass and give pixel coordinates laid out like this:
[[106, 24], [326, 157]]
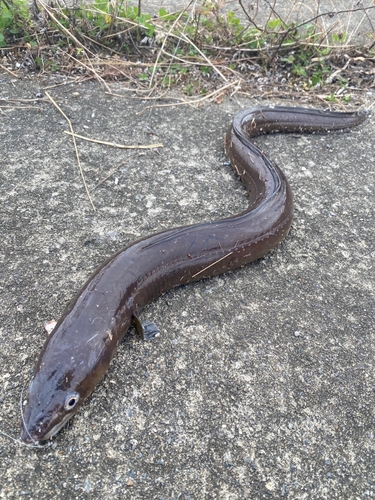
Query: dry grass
[[320, 48]]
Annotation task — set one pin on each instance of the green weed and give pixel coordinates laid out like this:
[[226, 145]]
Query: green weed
[[14, 20], [114, 25]]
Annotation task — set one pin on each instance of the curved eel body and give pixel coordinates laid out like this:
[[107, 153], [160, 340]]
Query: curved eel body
[[77, 354]]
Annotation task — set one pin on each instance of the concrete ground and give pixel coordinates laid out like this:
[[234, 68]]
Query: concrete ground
[[262, 382]]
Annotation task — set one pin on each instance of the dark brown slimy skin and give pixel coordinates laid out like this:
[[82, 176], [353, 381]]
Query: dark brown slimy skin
[[77, 354]]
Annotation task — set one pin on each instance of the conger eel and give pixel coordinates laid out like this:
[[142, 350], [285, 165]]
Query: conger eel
[[76, 355]]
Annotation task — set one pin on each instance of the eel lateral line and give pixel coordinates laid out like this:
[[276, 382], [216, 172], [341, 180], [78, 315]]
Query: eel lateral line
[[76, 355]]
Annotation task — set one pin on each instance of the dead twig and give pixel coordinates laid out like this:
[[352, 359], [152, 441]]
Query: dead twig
[[75, 147], [214, 263], [92, 70], [36, 99], [113, 144], [191, 102], [164, 42], [70, 35], [9, 71], [20, 107]]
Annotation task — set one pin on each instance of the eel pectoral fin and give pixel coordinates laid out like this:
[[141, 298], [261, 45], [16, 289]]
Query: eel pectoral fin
[[146, 330]]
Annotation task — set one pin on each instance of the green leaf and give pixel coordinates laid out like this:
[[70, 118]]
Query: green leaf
[[162, 12], [274, 23], [205, 69], [132, 12], [188, 89], [298, 70], [290, 59], [315, 79], [310, 30], [233, 19], [331, 97], [339, 37]]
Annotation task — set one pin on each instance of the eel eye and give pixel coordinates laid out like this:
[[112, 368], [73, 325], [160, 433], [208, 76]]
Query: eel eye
[[71, 400]]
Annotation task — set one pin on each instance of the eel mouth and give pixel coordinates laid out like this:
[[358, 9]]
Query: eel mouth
[[32, 436]]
